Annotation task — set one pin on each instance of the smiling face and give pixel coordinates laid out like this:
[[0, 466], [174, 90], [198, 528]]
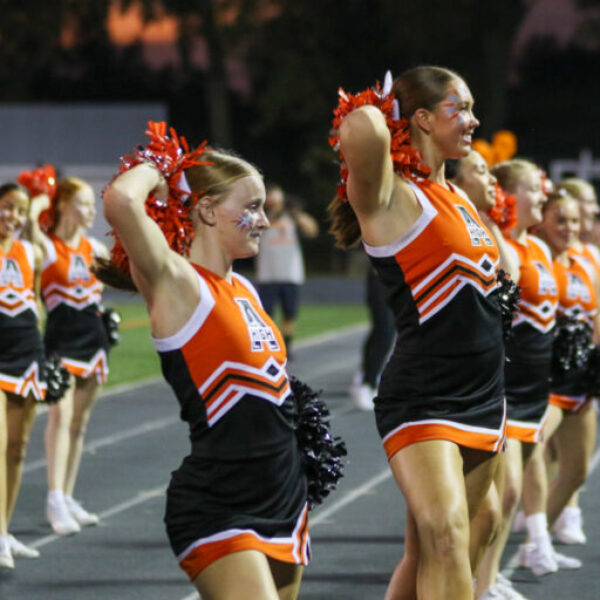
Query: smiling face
[[240, 217], [453, 121], [561, 224], [476, 180], [530, 197], [13, 212]]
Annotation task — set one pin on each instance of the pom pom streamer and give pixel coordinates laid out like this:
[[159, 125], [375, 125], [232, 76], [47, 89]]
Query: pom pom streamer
[[504, 213], [171, 155], [321, 452], [572, 347], [406, 159], [57, 379], [111, 320], [509, 294], [42, 181]]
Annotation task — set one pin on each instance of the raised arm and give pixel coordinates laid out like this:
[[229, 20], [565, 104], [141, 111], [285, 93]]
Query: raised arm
[[365, 144], [161, 275]]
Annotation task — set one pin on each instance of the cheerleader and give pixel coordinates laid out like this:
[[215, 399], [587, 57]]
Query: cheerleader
[[571, 416], [236, 512], [21, 358], [440, 406], [569, 525], [76, 333]]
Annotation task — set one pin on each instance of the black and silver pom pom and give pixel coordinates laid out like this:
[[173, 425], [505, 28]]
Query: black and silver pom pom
[[321, 451], [572, 346], [57, 379], [508, 296], [111, 320]]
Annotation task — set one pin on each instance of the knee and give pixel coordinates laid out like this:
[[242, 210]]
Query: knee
[[444, 533], [489, 519], [511, 497], [78, 427], [16, 451], [575, 474]]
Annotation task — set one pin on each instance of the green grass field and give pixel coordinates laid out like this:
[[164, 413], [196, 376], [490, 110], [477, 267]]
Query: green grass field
[[135, 357]]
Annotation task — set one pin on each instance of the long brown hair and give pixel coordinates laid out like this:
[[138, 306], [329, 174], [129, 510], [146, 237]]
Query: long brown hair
[[213, 180], [419, 87]]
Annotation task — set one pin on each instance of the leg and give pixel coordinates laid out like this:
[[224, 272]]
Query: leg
[[3, 469], [20, 414], [535, 482], [403, 584], [240, 576], [57, 439], [572, 440], [86, 392], [290, 298], [430, 475], [287, 578]]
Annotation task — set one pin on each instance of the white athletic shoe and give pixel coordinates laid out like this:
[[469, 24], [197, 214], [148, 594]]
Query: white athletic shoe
[[506, 588], [82, 516], [362, 396], [6, 559], [20, 550], [568, 528], [519, 524], [539, 557], [60, 518], [568, 563], [492, 593]]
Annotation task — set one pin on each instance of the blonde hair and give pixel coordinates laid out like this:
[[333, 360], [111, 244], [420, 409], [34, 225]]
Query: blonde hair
[[575, 187], [510, 172], [216, 178]]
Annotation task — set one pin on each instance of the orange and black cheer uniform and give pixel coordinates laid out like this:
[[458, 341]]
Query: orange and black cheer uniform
[[577, 298], [243, 486], [529, 348], [21, 348], [445, 378], [73, 294]]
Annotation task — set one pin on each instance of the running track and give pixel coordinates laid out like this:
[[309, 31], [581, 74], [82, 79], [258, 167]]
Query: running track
[[135, 440]]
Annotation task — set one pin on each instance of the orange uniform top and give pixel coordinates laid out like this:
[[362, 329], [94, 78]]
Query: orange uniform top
[[577, 293], [66, 275], [227, 368], [441, 276], [539, 293], [17, 281]]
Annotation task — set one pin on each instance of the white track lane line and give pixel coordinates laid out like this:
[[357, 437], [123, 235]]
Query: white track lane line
[[325, 513]]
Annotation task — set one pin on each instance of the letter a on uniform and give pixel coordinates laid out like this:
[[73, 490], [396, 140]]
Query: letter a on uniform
[[260, 333], [476, 231], [10, 273], [78, 269]]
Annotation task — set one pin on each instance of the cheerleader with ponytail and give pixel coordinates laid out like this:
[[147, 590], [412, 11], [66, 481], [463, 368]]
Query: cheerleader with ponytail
[[237, 507]]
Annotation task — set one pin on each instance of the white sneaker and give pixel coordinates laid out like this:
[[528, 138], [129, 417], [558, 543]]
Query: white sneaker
[[6, 559], [567, 563], [492, 593], [568, 528], [362, 396], [506, 588], [60, 518], [520, 523], [20, 550], [539, 557], [82, 516]]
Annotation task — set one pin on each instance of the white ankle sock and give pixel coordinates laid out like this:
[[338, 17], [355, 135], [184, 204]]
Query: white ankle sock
[[56, 496], [537, 525], [572, 511]]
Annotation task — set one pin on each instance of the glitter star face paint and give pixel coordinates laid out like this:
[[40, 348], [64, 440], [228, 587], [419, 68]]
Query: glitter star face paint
[[247, 221]]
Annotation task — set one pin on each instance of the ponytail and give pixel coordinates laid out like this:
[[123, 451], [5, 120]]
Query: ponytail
[[344, 224]]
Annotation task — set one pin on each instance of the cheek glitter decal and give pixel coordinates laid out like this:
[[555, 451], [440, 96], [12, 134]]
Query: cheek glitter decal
[[246, 221]]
